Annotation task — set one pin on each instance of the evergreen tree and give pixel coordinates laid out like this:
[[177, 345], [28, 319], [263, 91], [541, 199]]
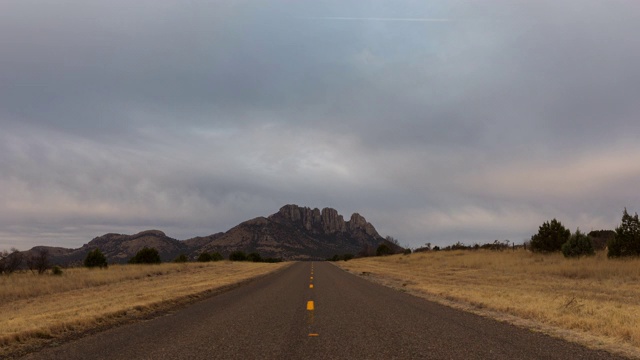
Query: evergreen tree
[[238, 256], [627, 239], [95, 258], [578, 244], [550, 237], [146, 256]]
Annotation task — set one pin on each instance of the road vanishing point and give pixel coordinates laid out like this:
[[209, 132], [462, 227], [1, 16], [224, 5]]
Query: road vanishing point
[[315, 310]]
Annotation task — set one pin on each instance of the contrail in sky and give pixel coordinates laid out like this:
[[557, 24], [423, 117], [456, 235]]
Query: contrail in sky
[[380, 19]]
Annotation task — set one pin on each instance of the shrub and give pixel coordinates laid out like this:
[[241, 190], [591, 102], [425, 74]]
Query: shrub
[[95, 258], [238, 256], [407, 251], [550, 237], [578, 244], [626, 242], [347, 257], [182, 258], [56, 270], [216, 256], [204, 257], [383, 249], [146, 256], [254, 257]]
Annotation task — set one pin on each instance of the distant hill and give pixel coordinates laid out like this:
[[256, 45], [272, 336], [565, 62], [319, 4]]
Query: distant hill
[[293, 233]]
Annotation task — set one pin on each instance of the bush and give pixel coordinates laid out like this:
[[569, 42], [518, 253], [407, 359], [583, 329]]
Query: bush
[[407, 251], [182, 258], [95, 258], [626, 242], [56, 270], [578, 244], [550, 237], [146, 256], [216, 256], [238, 256], [347, 257], [204, 257], [254, 257], [383, 249]]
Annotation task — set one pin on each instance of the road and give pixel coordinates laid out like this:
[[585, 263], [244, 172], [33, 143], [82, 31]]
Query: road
[[317, 311]]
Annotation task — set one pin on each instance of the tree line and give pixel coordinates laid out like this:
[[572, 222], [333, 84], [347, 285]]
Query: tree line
[[14, 260], [624, 241]]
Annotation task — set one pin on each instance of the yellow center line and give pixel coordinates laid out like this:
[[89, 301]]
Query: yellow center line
[[311, 307]]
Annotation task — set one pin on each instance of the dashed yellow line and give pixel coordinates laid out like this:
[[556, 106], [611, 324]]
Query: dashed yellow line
[[311, 307]]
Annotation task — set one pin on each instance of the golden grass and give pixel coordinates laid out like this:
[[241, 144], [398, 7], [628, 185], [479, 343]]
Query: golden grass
[[34, 307], [594, 301]]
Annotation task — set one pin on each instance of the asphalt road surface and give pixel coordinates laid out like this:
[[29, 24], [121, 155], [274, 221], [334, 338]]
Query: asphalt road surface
[[317, 311]]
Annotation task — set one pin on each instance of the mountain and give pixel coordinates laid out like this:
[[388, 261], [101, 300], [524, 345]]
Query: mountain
[[117, 248], [301, 233], [293, 233]]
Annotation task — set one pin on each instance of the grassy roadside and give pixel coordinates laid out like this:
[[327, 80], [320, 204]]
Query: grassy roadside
[[35, 310], [593, 301]]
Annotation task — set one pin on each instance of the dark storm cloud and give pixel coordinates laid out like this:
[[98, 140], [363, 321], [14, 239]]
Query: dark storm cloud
[[193, 116]]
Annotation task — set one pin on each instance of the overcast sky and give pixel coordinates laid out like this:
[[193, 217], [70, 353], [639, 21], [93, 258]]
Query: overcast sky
[[438, 121]]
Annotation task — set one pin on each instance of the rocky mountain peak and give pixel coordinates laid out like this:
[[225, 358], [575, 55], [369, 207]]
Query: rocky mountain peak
[[332, 222], [327, 221], [358, 221]]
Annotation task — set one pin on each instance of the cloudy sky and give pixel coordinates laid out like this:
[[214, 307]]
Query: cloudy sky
[[439, 121]]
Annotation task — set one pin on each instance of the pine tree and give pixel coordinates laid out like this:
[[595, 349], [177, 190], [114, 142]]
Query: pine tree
[[627, 239], [146, 256], [550, 237], [578, 244], [95, 258]]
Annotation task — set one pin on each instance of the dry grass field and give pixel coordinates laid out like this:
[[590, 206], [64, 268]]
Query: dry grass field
[[594, 301], [41, 308]]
